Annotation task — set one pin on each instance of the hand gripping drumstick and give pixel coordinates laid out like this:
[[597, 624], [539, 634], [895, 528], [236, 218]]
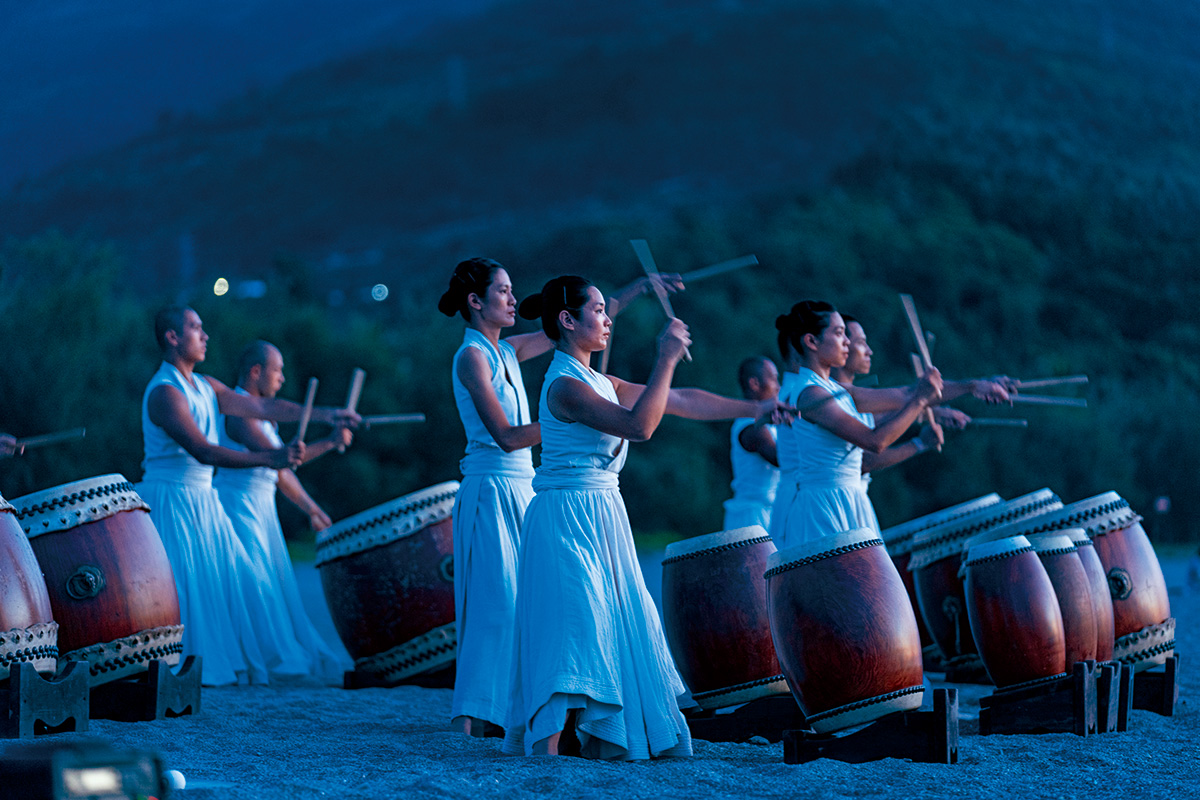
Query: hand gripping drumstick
[[927, 414], [910, 311], [642, 250], [307, 412], [356, 384], [50, 438]]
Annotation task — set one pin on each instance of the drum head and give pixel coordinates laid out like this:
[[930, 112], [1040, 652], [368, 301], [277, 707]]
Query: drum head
[[73, 504], [715, 543], [822, 548], [898, 538], [947, 539], [386, 523]]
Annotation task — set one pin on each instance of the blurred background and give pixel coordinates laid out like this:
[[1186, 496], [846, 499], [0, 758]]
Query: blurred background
[[309, 172]]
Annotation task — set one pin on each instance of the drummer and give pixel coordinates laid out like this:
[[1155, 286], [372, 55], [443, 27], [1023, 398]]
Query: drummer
[[489, 506], [220, 598], [752, 451], [248, 497], [831, 436], [592, 673]]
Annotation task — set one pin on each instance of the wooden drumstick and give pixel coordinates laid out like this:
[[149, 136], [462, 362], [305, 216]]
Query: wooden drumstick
[[356, 384], [717, 269], [307, 412], [1042, 400], [1043, 382], [50, 438], [999, 422], [910, 311], [642, 250], [927, 414], [390, 419]]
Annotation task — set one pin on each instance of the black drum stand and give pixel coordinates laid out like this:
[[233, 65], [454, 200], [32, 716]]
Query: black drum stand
[[439, 679], [1157, 691], [766, 717], [1065, 704], [155, 694], [31, 705]]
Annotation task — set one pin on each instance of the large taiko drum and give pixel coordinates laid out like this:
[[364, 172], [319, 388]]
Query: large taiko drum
[[715, 618], [899, 542], [844, 631], [110, 583], [388, 575], [1142, 621], [1064, 567], [28, 631], [936, 558], [1097, 588], [1013, 611]]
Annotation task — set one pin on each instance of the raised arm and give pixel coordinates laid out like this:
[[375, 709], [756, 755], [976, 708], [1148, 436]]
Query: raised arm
[[249, 433], [831, 417], [897, 453], [476, 375], [758, 439], [277, 409], [168, 410]]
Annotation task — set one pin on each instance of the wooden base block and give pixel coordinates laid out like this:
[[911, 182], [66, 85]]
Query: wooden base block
[[31, 706], [767, 717], [1064, 705], [441, 679], [157, 693], [1158, 691], [929, 737], [1114, 696]]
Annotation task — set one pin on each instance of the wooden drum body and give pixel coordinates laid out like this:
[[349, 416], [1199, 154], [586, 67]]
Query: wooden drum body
[[715, 616], [388, 575], [1014, 613], [110, 583], [1142, 624], [899, 542], [1060, 558], [936, 559], [844, 631], [27, 628]]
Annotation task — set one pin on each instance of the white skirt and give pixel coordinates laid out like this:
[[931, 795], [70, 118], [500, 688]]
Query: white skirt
[[589, 636], [291, 644], [218, 591], [488, 512], [821, 510]]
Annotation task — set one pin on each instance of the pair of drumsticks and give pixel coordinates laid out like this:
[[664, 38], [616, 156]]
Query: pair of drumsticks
[[356, 383]]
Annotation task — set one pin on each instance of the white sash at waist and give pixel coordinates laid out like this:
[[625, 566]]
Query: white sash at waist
[[494, 461], [581, 478]]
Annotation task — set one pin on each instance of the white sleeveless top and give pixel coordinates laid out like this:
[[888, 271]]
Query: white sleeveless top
[[824, 459], [575, 456], [165, 459], [785, 447], [484, 456], [754, 478], [234, 478]]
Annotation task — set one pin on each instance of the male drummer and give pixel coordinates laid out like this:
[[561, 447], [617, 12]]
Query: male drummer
[[248, 496], [221, 599], [752, 451]]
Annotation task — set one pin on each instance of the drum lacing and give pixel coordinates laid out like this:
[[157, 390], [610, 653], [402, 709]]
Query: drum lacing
[[149, 654], [391, 515], [1011, 515], [75, 497], [1058, 551], [837, 551], [28, 654], [882, 698], [998, 556], [741, 687], [1148, 653], [717, 549], [1085, 515]]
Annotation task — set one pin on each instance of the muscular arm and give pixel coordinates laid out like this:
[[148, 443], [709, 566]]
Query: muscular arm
[[834, 419], [290, 487], [276, 409], [873, 462], [758, 439], [249, 434], [476, 375], [168, 410]]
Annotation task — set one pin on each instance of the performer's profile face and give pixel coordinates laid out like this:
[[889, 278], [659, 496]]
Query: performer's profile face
[[271, 380], [859, 362], [500, 304], [592, 324], [833, 346], [193, 341]]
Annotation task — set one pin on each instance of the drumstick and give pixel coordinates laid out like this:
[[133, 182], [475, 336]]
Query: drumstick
[[999, 422], [1042, 400], [50, 438], [356, 384], [1043, 382], [390, 419], [307, 412], [717, 269], [642, 250], [927, 414], [910, 311]]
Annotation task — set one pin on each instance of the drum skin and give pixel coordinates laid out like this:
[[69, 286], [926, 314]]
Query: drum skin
[[389, 595], [1063, 566], [844, 631], [110, 583], [1014, 613], [27, 629], [715, 617]]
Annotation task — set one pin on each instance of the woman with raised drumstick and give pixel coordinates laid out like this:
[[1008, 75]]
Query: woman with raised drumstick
[[497, 470], [592, 674]]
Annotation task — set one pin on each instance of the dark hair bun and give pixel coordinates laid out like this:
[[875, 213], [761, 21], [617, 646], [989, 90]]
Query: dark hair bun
[[531, 307], [449, 304]]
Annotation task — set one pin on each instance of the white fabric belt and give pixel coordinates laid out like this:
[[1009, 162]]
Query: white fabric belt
[[575, 478]]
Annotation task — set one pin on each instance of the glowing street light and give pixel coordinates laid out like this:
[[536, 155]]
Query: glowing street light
[[220, 287]]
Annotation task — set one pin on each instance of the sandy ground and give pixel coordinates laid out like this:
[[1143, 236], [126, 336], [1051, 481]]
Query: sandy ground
[[305, 741]]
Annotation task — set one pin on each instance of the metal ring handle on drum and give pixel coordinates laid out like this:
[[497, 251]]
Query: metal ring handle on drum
[[446, 569], [86, 583], [1120, 585]]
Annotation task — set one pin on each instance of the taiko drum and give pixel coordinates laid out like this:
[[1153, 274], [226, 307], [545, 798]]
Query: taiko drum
[[1013, 611], [936, 559], [714, 600], [1060, 558], [111, 586], [388, 575], [1142, 623], [844, 630], [899, 542], [27, 629]]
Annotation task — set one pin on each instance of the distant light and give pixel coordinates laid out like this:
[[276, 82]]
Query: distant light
[[379, 292], [1162, 505], [220, 287]]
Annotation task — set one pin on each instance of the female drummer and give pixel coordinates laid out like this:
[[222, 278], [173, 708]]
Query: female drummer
[[497, 470], [592, 674], [830, 437]]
